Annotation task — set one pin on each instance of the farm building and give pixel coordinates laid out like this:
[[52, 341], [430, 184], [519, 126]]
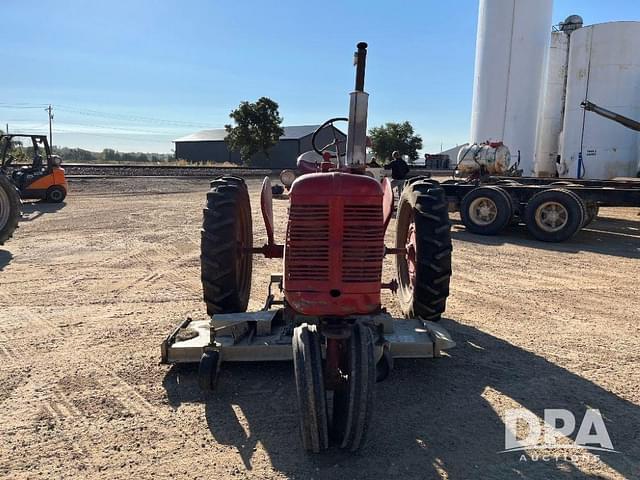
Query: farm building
[[209, 146]]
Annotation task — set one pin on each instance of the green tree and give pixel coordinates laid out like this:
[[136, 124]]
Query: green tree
[[258, 127], [395, 136]]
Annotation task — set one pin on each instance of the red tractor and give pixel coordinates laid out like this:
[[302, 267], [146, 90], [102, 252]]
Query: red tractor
[[326, 314]]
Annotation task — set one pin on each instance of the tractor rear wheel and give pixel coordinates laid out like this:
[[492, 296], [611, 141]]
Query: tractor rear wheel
[[353, 403], [424, 270], [312, 400], [9, 208], [226, 240]]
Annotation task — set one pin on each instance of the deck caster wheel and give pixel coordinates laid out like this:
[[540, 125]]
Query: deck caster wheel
[[208, 370], [384, 366], [353, 403], [312, 400]]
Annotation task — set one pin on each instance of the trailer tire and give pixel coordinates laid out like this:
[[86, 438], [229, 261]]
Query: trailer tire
[[10, 208], [226, 236], [353, 405], [592, 213], [424, 271], [555, 215], [486, 210], [312, 400]]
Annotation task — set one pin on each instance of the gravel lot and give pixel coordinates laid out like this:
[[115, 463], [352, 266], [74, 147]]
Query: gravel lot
[[88, 290]]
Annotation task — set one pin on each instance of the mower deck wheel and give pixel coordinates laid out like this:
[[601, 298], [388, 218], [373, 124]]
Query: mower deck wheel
[[208, 370]]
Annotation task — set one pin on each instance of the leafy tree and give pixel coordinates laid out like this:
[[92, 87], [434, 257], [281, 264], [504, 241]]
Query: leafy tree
[[258, 127], [395, 136]]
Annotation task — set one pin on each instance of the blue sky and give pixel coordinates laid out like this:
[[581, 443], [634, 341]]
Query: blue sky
[[135, 74]]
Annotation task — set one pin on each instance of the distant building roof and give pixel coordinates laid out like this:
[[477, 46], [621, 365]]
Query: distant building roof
[[294, 132]]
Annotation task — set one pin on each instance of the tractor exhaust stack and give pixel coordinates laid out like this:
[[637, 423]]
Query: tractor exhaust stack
[[357, 132]]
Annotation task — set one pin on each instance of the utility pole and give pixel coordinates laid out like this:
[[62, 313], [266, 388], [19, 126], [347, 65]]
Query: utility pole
[[7, 130], [49, 109]]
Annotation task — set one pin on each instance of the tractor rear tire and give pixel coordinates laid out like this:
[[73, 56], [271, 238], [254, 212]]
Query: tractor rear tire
[[423, 229], [312, 399], [10, 209], [353, 405], [486, 210], [555, 215], [226, 239], [55, 194]]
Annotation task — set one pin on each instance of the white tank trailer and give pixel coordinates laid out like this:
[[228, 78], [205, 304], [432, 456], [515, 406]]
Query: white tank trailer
[[511, 52]]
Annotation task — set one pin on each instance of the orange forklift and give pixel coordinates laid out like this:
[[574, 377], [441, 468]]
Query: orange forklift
[[36, 173]]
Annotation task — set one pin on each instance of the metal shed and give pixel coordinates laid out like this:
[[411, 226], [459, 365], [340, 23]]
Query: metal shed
[[209, 146]]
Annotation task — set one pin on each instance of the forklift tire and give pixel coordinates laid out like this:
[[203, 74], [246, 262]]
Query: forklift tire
[[424, 271], [486, 210], [555, 215], [353, 405], [56, 194], [10, 209], [208, 370], [226, 236], [312, 399]]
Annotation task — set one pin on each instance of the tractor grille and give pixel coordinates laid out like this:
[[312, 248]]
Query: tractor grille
[[363, 244], [308, 243]]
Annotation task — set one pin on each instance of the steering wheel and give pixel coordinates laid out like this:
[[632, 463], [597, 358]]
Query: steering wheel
[[336, 140]]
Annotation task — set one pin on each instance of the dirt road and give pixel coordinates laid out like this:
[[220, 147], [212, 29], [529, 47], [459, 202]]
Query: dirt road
[[89, 289]]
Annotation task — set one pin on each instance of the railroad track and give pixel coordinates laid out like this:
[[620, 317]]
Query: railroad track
[[94, 170]]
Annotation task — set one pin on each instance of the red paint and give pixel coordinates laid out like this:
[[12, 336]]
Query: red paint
[[335, 245]]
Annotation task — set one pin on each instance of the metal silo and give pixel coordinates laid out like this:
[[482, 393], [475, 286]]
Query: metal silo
[[511, 51], [604, 68]]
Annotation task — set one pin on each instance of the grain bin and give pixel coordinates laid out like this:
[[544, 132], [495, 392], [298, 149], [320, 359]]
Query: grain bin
[[604, 68], [511, 51]]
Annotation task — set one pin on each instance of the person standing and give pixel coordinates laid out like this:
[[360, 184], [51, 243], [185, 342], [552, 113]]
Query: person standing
[[399, 171]]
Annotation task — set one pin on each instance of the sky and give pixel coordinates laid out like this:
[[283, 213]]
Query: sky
[[134, 75]]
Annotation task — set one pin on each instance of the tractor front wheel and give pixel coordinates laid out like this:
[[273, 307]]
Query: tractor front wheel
[[423, 232], [226, 241], [312, 400]]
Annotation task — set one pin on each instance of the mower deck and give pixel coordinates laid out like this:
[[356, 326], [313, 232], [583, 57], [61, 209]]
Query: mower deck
[[263, 336]]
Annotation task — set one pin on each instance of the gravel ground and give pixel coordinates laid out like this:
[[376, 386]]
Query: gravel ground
[[88, 290]]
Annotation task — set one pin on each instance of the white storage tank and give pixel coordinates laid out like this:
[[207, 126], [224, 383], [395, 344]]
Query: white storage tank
[[511, 51], [604, 68], [552, 112]]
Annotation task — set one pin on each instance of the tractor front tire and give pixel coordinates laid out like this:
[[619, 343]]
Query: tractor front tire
[[312, 400], [10, 209], [353, 403], [423, 231], [226, 240]]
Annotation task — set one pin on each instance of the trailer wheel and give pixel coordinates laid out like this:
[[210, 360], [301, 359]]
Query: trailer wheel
[[208, 370], [312, 400], [423, 230], [486, 210], [226, 237], [353, 404], [555, 215], [592, 213], [10, 207]]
